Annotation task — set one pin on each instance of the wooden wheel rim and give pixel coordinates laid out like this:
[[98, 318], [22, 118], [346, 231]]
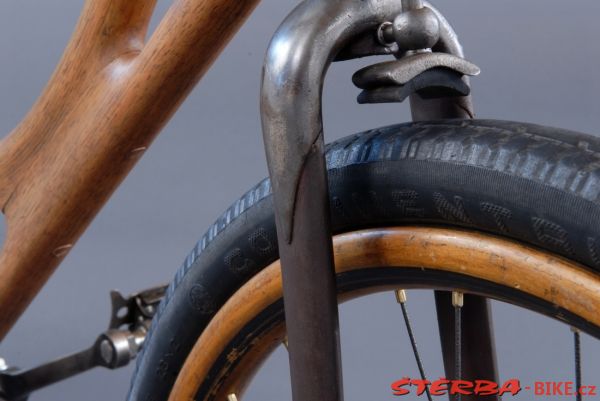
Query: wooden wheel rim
[[540, 274]]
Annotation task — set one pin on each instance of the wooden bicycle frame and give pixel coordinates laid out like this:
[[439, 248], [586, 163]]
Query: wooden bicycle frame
[[108, 98]]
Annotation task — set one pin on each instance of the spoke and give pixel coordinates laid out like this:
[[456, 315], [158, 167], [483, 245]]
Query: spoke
[[401, 298], [478, 356], [577, 343], [457, 303]]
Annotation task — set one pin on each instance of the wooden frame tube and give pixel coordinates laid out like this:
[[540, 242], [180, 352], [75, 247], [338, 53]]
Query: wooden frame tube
[[108, 98]]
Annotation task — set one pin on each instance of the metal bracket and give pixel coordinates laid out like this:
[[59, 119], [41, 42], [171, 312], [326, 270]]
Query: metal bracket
[[129, 323]]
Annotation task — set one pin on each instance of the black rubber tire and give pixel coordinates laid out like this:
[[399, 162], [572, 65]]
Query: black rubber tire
[[534, 184]]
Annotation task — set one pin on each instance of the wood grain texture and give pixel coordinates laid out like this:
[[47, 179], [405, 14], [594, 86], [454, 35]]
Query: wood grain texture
[[106, 101], [540, 274]]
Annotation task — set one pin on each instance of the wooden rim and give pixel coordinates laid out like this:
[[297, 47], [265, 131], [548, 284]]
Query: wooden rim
[[503, 262]]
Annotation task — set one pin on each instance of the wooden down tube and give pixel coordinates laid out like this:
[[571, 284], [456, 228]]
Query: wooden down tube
[[108, 98]]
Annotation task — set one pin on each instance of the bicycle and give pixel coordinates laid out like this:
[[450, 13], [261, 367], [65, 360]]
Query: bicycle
[[452, 210]]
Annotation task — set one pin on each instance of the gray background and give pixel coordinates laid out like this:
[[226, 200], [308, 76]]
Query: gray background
[[539, 60]]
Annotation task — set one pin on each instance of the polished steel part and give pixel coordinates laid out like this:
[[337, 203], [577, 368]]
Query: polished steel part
[[385, 34], [295, 66], [412, 4], [113, 349], [415, 29], [417, 69]]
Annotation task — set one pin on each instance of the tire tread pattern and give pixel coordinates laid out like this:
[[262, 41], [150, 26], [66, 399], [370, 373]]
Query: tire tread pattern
[[563, 160]]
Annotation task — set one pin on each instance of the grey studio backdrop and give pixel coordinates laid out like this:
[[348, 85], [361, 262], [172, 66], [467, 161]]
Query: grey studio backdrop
[[539, 60]]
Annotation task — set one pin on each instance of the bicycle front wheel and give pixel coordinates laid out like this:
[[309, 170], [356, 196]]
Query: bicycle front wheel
[[507, 210]]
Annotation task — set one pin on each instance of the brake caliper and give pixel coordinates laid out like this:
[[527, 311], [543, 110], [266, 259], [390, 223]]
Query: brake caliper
[[417, 69]]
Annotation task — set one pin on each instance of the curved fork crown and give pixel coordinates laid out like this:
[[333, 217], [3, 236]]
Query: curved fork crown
[[294, 70], [293, 74]]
